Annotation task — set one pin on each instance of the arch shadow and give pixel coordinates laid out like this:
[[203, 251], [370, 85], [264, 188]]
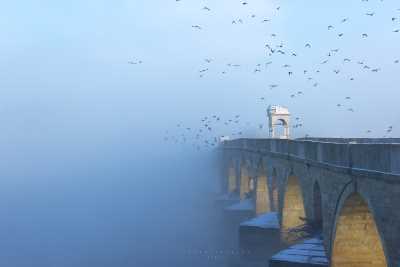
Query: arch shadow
[[317, 222]]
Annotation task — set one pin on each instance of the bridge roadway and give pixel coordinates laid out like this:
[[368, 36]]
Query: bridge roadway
[[343, 192]]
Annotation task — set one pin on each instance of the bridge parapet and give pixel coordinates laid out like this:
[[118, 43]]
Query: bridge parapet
[[378, 156]]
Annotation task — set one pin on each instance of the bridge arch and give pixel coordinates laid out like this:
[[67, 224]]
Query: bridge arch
[[262, 191], [274, 190], [293, 212], [232, 179], [245, 180], [357, 241]]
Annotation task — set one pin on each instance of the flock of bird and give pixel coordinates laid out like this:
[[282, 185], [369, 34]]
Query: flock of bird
[[206, 134], [211, 128]]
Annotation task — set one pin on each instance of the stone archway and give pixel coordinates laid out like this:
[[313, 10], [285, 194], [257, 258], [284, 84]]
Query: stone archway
[[232, 179], [274, 191], [262, 194], [244, 181], [357, 242], [293, 212]]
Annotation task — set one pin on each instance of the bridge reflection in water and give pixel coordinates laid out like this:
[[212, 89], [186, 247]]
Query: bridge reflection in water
[[314, 202]]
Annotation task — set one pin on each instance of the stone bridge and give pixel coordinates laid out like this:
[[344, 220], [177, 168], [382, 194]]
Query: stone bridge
[[343, 192]]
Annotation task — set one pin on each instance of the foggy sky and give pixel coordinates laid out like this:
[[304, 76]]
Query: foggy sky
[[64, 66]]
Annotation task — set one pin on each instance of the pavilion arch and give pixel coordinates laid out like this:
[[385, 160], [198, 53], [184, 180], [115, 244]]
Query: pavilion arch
[[357, 241], [317, 208], [281, 128], [278, 116], [245, 181], [262, 193], [293, 212]]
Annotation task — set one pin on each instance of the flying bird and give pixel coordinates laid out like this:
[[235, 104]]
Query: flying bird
[[135, 62]]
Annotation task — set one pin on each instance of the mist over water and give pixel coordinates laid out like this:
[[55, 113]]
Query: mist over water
[[121, 207]]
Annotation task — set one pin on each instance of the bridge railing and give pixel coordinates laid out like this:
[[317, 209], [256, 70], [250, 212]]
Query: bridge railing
[[382, 157]]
